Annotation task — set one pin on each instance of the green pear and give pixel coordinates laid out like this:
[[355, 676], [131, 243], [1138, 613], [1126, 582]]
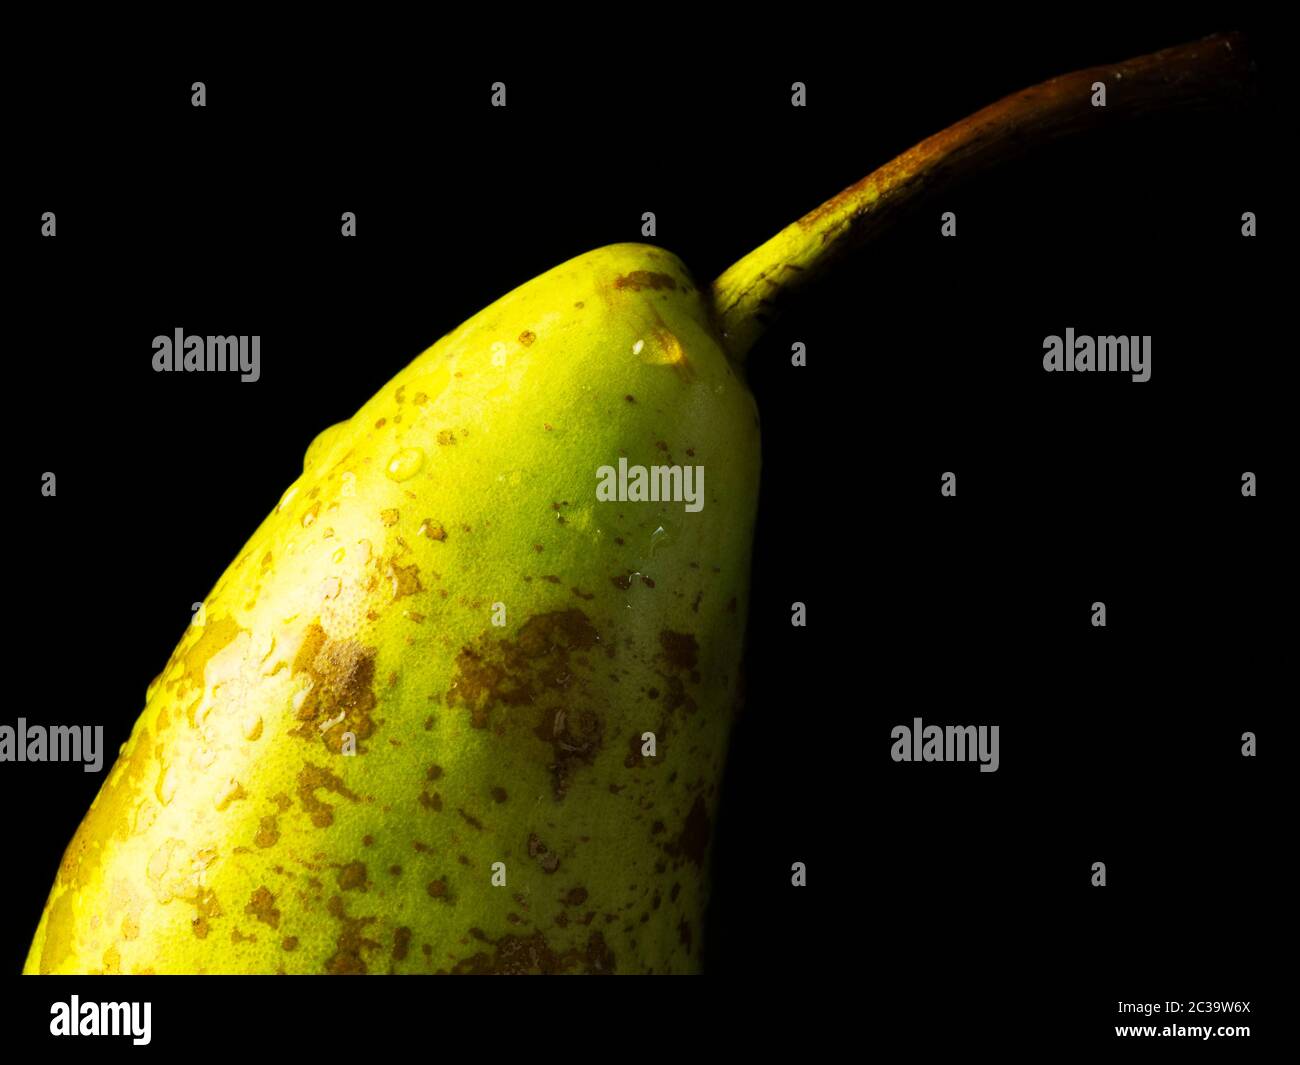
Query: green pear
[[462, 703], [456, 706]]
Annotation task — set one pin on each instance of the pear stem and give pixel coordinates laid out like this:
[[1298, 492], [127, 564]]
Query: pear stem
[[748, 294]]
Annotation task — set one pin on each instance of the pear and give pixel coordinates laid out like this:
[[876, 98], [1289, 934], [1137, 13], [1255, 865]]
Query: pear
[[449, 711], [462, 702]]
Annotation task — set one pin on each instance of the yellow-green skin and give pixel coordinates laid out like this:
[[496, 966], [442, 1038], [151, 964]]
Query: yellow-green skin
[[236, 834]]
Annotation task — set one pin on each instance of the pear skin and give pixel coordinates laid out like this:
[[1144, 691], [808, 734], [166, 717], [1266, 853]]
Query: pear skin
[[411, 730]]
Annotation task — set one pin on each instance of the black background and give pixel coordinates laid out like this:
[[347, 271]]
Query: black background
[[941, 901]]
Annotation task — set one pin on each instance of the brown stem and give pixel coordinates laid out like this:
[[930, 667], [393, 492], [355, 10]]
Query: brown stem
[[747, 294]]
